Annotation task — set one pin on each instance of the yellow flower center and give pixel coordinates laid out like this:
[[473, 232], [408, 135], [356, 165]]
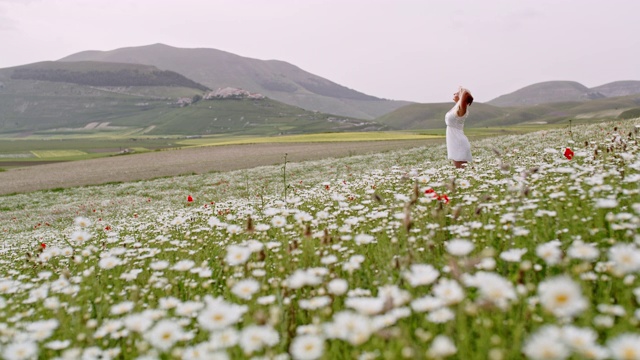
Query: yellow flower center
[[562, 298], [629, 353]]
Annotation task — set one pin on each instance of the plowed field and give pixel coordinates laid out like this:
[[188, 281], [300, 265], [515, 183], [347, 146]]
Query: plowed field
[[186, 161]]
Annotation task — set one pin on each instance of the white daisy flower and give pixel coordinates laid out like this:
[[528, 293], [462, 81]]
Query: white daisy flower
[[109, 262], [338, 287], [459, 247], [255, 337], [579, 338], [224, 339], [427, 303], [58, 344], [21, 350], [625, 258], [583, 251], [80, 237], [315, 303], [237, 255], [159, 265], [493, 288], [278, 221], [307, 347], [606, 203], [138, 322], [363, 239], [421, 274], [245, 289], [625, 347], [550, 252], [188, 308], [513, 255], [82, 221], [183, 265], [562, 296], [449, 291], [441, 315], [121, 308], [366, 305], [442, 347], [349, 326], [164, 335], [546, 343], [219, 314]]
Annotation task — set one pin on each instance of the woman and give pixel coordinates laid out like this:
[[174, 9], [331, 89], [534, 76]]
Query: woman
[[458, 147]]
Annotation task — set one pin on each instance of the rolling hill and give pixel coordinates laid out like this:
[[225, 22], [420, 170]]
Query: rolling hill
[[431, 116], [565, 91], [102, 74], [82, 97], [275, 79], [618, 88]]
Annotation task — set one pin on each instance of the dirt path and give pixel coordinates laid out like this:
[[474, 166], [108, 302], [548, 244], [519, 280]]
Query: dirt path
[[186, 161]]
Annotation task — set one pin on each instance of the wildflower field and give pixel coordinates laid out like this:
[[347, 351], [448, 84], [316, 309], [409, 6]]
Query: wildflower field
[[533, 252]]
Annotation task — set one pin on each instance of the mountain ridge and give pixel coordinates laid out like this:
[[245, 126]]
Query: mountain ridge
[[103, 74], [431, 116], [91, 97], [275, 79], [563, 91]]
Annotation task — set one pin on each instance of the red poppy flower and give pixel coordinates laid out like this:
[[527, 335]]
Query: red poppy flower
[[189, 198], [568, 153], [444, 198], [43, 245]]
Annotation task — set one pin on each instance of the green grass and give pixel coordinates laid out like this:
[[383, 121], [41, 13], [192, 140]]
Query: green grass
[[308, 138], [82, 144], [58, 153]]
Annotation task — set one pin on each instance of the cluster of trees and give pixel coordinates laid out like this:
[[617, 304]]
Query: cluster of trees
[[123, 77]]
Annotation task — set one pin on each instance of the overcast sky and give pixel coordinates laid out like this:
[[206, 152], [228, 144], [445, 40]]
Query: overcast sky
[[417, 50]]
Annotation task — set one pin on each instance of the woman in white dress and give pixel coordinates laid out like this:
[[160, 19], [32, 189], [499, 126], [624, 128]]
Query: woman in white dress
[[458, 147]]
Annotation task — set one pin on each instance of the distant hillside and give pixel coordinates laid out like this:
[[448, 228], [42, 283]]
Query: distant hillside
[[431, 116], [565, 91], [90, 97], [103, 74], [275, 79], [618, 88], [546, 92]]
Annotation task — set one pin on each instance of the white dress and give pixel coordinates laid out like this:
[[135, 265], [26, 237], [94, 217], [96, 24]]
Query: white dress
[[458, 147]]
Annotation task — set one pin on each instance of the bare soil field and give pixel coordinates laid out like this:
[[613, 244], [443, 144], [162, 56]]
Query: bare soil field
[[186, 161]]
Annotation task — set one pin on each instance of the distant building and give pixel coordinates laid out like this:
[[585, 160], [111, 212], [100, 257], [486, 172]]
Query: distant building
[[232, 93], [185, 101]]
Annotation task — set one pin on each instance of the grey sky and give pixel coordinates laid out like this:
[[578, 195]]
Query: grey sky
[[417, 50]]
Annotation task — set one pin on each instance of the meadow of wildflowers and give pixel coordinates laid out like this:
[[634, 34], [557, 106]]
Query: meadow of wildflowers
[[532, 252]]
